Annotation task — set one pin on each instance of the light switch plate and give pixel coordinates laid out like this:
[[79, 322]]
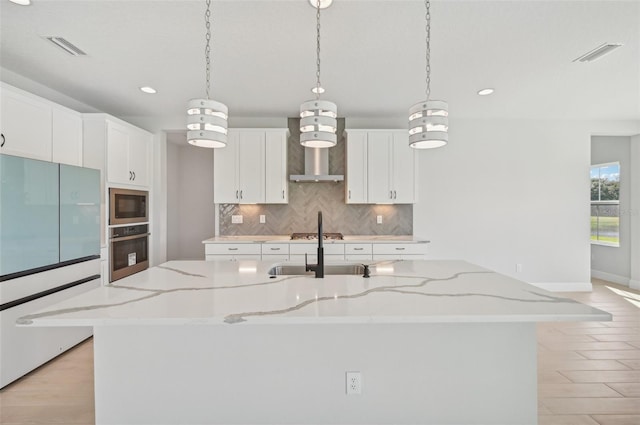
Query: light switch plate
[[379, 219], [263, 218], [236, 219]]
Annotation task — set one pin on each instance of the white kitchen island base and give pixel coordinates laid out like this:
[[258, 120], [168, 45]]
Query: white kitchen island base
[[430, 373]]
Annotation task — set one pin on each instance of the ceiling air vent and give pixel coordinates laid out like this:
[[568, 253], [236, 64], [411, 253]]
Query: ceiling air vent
[[65, 45], [598, 52]]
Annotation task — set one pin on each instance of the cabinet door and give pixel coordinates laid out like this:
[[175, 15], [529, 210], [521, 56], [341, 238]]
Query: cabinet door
[[225, 172], [403, 169], [276, 179], [356, 159], [118, 170], [379, 167], [29, 214], [251, 167], [79, 212], [67, 137], [25, 124], [139, 152]]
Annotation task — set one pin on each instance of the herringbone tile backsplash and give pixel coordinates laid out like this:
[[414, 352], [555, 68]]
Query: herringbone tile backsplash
[[306, 199]]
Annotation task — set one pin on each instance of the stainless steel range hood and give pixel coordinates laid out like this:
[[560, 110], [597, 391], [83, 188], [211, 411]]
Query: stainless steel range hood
[[316, 167]]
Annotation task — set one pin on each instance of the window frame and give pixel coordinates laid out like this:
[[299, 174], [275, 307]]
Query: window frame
[[607, 202]]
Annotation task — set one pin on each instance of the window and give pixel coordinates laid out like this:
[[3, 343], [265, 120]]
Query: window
[[605, 204]]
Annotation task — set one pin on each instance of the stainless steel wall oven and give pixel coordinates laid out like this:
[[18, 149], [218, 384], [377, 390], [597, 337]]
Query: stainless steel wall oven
[[129, 250]]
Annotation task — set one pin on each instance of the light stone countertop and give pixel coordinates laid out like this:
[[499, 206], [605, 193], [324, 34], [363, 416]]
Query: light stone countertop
[[237, 293], [287, 239]]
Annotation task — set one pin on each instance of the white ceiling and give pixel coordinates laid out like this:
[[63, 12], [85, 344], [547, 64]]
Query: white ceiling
[[372, 55]]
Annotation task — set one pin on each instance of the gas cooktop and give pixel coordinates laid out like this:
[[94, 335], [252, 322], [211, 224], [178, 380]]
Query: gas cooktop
[[314, 236]]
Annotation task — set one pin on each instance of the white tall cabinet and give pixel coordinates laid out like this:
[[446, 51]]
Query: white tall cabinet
[[251, 169], [128, 150], [381, 167]]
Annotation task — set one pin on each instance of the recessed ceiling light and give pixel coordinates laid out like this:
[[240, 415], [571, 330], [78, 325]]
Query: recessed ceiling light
[[147, 89], [21, 2], [485, 92], [317, 90]]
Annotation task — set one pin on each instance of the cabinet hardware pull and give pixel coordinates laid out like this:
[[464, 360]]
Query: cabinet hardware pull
[[275, 249], [232, 249], [134, 175], [283, 194], [394, 195], [237, 195], [3, 140], [358, 249], [240, 194], [399, 249], [391, 194], [130, 176], [349, 193]]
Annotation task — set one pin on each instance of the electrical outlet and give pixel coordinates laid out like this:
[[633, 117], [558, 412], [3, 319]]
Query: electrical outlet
[[236, 219], [379, 219], [518, 268], [263, 218], [354, 383]]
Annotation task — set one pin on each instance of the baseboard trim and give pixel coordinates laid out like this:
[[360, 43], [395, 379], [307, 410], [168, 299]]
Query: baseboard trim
[[610, 277], [564, 286], [634, 284]]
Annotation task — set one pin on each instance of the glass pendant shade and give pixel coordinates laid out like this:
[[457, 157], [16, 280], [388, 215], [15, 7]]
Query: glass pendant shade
[[429, 124], [207, 123], [318, 124]]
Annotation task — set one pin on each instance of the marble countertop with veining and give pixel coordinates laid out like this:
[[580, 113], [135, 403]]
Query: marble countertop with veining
[[287, 239], [230, 293]]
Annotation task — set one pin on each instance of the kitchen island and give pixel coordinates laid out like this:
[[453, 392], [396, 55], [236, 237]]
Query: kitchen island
[[435, 342]]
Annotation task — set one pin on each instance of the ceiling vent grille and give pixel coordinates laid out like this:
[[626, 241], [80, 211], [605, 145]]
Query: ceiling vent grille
[[598, 52], [65, 45]]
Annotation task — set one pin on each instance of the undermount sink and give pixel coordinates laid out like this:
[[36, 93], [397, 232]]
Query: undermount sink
[[298, 269]]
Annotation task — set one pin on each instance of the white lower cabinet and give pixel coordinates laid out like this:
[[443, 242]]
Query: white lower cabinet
[[275, 252], [333, 252], [399, 251], [232, 251]]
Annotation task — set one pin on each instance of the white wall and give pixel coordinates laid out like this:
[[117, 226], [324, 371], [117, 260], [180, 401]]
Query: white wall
[[608, 262], [507, 192], [190, 208]]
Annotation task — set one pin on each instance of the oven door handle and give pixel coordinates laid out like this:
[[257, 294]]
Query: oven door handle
[[128, 238]]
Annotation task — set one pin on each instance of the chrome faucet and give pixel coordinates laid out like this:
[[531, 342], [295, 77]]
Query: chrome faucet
[[319, 267]]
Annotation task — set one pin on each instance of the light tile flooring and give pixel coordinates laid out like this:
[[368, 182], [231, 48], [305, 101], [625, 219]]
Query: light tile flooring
[[589, 373]]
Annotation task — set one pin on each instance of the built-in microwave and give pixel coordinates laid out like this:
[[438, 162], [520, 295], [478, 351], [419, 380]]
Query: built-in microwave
[[128, 206]]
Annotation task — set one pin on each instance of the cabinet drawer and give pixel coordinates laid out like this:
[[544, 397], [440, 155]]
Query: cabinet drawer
[[400, 248], [304, 248], [275, 248], [232, 248], [232, 257], [357, 248]]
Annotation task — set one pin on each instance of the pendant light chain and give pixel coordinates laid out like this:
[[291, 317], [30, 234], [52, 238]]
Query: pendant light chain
[[207, 49], [318, 50], [427, 5]]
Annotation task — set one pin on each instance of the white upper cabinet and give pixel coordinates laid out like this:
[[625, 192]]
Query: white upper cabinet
[[67, 136], [127, 154], [33, 127], [276, 179], [381, 167], [251, 169], [356, 167], [25, 124]]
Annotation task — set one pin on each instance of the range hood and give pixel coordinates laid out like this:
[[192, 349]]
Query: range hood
[[316, 167]]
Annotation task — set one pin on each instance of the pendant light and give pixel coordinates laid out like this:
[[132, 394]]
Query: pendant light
[[318, 122], [429, 119], [206, 118]]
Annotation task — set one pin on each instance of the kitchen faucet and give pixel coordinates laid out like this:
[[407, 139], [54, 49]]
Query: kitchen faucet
[[319, 267]]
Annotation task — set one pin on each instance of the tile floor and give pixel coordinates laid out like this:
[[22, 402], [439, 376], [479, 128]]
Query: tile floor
[[589, 372]]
